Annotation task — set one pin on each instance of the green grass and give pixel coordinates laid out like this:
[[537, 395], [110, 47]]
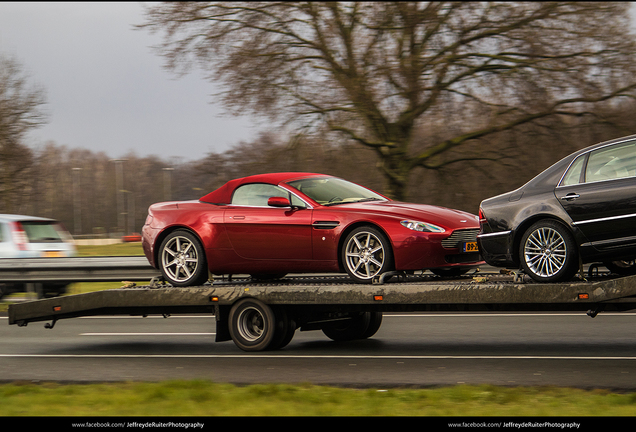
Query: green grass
[[117, 249], [203, 398]]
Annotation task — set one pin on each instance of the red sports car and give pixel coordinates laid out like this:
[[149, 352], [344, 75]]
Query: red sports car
[[269, 225]]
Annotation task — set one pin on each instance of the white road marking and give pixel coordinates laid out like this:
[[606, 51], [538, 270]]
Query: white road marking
[[332, 357], [147, 334]]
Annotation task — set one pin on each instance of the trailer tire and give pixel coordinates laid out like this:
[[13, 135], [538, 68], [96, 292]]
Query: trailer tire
[[252, 325], [285, 329], [361, 326], [375, 321]]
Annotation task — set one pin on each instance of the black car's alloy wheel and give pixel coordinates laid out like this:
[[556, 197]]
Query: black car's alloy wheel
[[182, 259], [548, 252]]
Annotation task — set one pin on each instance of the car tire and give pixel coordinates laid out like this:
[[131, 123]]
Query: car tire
[[182, 259], [366, 253], [548, 252]]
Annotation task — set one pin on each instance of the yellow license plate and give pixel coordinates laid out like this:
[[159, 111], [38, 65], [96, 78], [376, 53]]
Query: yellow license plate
[[471, 247], [52, 254]]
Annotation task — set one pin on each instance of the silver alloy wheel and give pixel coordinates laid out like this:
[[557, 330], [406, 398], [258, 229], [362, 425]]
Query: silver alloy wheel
[[364, 255], [179, 259], [545, 252]]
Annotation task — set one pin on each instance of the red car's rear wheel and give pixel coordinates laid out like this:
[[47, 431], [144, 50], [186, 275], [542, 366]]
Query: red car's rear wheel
[[182, 259]]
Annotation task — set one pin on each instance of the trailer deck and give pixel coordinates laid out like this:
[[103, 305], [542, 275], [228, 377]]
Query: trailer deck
[[312, 303]]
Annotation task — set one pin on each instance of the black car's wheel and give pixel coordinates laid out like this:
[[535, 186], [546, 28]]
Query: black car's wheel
[[548, 252], [182, 259], [366, 253]]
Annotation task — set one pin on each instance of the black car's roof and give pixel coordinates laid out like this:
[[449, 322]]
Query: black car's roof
[[552, 175]]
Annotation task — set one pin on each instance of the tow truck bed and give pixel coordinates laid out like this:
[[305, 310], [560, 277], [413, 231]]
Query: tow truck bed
[[314, 300]]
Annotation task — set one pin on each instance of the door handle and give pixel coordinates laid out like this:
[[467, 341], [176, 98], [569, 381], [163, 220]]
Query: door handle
[[570, 196]]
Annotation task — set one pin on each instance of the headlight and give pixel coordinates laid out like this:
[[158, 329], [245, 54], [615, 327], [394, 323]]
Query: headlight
[[422, 226]]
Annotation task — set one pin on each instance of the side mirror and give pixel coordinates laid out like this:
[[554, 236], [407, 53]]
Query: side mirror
[[278, 202]]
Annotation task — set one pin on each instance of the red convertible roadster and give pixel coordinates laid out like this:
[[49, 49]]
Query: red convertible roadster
[[269, 225]]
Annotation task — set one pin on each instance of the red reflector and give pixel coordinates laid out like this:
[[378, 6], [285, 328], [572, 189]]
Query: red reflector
[[584, 296], [378, 298], [57, 308]]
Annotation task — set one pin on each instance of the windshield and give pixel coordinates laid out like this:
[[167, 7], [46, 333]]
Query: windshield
[[331, 191]]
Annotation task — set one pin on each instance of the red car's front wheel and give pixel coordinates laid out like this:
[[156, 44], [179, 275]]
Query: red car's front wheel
[[182, 259], [366, 254]]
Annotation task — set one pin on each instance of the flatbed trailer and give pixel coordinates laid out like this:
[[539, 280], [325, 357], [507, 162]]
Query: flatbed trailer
[[265, 315]]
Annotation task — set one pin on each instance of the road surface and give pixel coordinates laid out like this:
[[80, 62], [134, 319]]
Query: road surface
[[419, 350]]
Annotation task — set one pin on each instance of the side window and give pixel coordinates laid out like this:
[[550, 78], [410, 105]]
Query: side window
[[1, 232], [614, 162], [257, 194], [297, 202], [573, 176]]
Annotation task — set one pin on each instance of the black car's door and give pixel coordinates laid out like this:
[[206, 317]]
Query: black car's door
[[599, 194]]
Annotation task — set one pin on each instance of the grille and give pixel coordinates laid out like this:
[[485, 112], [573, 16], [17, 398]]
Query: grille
[[460, 236]]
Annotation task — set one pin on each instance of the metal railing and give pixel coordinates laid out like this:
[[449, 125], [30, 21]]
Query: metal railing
[[76, 269]]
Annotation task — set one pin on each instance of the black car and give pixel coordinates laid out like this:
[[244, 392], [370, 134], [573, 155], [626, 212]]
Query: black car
[[582, 209]]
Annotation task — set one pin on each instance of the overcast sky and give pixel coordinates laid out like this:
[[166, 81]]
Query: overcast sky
[[106, 90]]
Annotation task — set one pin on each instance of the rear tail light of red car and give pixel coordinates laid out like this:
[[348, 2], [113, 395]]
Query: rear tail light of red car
[[19, 236]]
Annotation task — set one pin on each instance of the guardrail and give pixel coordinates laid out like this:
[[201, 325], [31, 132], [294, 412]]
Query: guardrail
[[77, 269]]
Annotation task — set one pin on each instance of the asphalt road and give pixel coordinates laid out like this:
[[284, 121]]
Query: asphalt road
[[570, 350]]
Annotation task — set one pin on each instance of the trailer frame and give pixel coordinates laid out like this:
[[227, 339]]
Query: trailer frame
[[259, 315]]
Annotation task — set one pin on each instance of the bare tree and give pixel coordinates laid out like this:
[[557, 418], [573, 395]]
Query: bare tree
[[376, 71], [20, 111]]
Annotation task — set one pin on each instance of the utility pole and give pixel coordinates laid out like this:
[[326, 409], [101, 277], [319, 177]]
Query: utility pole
[[167, 183], [77, 201], [119, 184]]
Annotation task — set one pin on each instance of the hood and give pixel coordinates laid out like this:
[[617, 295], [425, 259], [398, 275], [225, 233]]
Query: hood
[[441, 216]]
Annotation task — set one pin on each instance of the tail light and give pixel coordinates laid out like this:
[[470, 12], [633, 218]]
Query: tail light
[[19, 236], [482, 220]]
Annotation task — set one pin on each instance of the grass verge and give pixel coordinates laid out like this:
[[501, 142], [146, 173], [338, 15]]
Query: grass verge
[[204, 398]]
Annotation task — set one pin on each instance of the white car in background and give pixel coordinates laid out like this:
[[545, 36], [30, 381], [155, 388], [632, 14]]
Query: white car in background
[[34, 237]]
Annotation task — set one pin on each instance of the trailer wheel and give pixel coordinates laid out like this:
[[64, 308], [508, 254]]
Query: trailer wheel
[[375, 321], [182, 260], [361, 326], [285, 329], [252, 325]]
